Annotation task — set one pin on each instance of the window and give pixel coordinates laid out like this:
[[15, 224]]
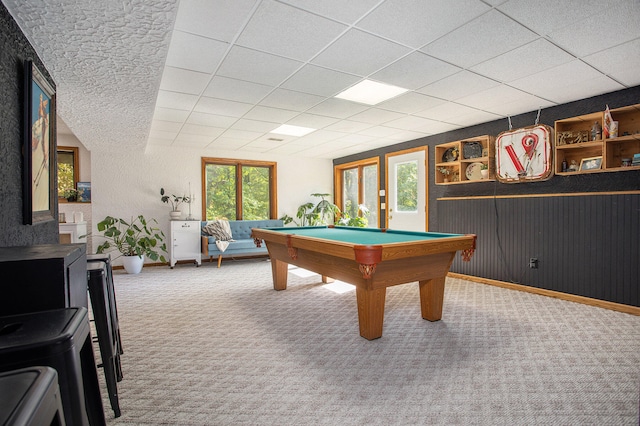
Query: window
[[68, 169], [357, 184], [407, 186], [238, 189]]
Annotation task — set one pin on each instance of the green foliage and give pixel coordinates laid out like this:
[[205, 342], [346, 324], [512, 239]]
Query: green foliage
[[136, 237], [65, 178], [174, 200], [407, 186], [357, 220], [222, 188], [70, 194], [309, 214]]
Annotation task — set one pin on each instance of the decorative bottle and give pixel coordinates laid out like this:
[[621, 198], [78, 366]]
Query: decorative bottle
[[596, 131]]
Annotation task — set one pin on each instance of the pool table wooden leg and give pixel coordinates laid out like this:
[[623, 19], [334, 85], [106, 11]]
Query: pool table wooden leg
[[279, 270], [370, 312], [431, 298]]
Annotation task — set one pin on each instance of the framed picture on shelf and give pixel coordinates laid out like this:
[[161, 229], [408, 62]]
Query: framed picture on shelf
[[38, 147], [591, 163], [84, 192]]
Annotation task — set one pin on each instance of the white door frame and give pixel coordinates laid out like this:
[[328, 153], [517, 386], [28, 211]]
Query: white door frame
[[425, 175]]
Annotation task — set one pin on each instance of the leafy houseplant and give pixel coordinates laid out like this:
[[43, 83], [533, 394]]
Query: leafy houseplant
[[71, 195], [137, 237], [324, 212], [174, 200], [310, 215]]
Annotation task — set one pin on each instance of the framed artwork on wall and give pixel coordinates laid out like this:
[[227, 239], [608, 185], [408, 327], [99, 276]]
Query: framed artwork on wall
[[593, 163], [38, 148], [84, 192]]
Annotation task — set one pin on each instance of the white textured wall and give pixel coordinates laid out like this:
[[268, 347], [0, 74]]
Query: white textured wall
[[127, 183]]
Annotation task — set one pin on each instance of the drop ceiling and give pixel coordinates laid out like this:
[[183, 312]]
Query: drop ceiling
[[223, 74]]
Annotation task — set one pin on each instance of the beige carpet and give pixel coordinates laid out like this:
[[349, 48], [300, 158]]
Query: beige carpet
[[208, 346]]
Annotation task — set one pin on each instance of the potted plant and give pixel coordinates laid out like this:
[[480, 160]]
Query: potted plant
[[484, 171], [71, 195], [133, 239], [445, 172], [175, 202], [359, 220], [313, 215]]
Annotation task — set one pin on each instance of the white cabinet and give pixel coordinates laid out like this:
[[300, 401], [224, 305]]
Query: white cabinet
[[70, 233], [185, 241]]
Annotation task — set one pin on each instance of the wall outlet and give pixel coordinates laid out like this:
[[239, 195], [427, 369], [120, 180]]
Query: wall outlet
[[533, 263]]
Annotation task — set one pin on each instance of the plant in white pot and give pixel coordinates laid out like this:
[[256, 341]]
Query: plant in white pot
[[175, 202], [134, 239]]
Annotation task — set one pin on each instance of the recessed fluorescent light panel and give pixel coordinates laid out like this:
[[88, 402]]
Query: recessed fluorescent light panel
[[289, 130], [370, 92]]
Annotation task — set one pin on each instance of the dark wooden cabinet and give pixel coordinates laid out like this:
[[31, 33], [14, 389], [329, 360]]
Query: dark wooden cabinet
[[42, 277]]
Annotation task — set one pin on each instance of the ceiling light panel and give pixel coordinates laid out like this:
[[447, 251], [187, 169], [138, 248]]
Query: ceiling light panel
[[287, 129], [370, 92]]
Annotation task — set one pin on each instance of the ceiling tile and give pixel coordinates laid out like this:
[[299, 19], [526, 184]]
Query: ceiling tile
[[531, 58], [359, 53], [184, 81], [484, 38], [241, 134], [254, 125], [566, 81], [409, 122], [176, 100], [618, 64], [458, 85], [320, 81], [195, 53], [379, 131], [170, 114], [340, 10], [446, 112], [167, 126], [337, 108], [212, 120], [195, 139], [313, 121], [287, 31], [414, 71], [195, 129], [376, 116], [162, 134], [291, 100], [416, 22], [217, 19], [348, 126], [273, 115], [222, 107], [619, 23], [258, 67], [410, 102], [236, 90]]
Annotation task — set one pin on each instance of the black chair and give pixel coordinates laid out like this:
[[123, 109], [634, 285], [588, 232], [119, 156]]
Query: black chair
[[113, 306], [30, 397], [60, 339], [105, 329]]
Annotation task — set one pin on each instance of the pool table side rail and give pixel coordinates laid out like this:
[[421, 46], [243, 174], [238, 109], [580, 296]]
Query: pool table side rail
[[390, 251]]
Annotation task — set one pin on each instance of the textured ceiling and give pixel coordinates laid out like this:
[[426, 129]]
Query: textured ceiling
[[223, 74]]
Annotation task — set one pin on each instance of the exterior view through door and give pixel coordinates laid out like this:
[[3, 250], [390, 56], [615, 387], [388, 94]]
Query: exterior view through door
[[407, 190]]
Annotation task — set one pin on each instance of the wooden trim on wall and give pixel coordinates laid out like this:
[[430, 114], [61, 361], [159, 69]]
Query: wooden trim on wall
[[273, 178], [570, 194], [359, 164], [627, 309]]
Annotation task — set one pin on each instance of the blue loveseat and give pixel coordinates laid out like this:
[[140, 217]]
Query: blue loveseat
[[242, 244]]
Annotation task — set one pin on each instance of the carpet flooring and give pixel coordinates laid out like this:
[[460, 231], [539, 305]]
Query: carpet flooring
[[209, 346]]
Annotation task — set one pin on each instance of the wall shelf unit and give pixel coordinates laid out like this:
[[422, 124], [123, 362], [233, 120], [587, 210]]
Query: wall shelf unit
[[461, 161], [575, 141]]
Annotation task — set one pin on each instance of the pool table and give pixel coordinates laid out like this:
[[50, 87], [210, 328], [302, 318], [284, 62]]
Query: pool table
[[372, 259]]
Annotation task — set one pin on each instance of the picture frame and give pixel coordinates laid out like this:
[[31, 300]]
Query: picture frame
[[39, 193], [591, 163], [84, 192]]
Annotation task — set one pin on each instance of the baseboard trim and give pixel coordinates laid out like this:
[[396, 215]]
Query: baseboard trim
[[619, 307]]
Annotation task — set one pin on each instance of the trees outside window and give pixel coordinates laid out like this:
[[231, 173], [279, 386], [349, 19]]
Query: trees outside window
[[67, 169], [357, 184], [238, 189]]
